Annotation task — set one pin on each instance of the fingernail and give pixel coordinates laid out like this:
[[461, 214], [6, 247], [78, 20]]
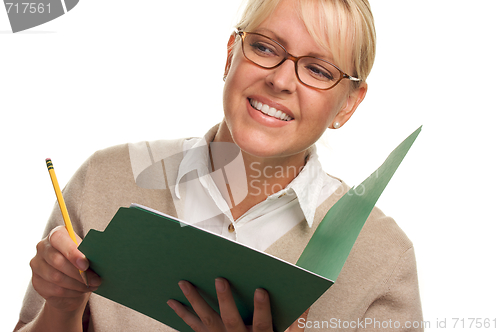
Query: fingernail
[[220, 285], [184, 287], [82, 264], [260, 295], [171, 304]]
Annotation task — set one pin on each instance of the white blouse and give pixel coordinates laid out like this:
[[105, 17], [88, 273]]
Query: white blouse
[[209, 208]]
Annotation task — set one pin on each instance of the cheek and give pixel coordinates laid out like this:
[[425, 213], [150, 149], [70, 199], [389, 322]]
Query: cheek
[[243, 77], [233, 79], [230, 86], [237, 66], [323, 106], [337, 100], [335, 108]]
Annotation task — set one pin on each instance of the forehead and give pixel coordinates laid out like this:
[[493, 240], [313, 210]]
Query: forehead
[[329, 25], [326, 22], [286, 26]]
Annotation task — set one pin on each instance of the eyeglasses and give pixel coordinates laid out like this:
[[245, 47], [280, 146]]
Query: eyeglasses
[[311, 71]]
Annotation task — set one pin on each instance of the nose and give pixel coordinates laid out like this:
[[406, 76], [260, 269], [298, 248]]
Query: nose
[[283, 78]]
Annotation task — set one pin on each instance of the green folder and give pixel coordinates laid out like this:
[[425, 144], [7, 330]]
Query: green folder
[[143, 254]]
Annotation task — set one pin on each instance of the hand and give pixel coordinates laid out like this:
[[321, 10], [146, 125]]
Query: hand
[[55, 272], [229, 319]]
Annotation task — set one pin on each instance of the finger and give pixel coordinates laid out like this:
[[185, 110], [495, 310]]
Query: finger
[[46, 254], [93, 278], [49, 290], [262, 318], [81, 262], [228, 310], [59, 238], [295, 326], [187, 316], [63, 299], [58, 276], [53, 257], [208, 316]]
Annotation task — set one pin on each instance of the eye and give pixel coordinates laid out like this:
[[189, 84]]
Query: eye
[[319, 72], [263, 49]]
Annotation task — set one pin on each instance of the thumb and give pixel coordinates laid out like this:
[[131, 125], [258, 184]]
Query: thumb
[[60, 240]]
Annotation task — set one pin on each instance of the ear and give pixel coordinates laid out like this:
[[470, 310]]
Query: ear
[[230, 45], [353, 100]]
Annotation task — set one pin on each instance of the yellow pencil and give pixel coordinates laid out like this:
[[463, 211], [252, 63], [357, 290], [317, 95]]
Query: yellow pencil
[[64, 210]]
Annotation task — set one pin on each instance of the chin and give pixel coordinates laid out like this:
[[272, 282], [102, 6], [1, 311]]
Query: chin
[[261, 143]]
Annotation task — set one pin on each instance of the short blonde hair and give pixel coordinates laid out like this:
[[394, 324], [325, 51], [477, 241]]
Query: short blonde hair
[[329, 22]]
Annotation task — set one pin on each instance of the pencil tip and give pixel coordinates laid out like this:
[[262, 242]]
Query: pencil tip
[[84, 276]]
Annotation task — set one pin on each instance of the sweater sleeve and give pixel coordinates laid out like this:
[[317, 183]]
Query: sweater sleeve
[[33, 302], [400, 299]]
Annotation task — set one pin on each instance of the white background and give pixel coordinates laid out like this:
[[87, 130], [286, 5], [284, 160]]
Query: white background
[[112, 71]]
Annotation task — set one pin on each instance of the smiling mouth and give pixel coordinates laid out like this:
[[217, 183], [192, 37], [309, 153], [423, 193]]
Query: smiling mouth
[[270, 111]]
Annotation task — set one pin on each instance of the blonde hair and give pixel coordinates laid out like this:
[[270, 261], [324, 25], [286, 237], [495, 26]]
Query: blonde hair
[[343, 27]]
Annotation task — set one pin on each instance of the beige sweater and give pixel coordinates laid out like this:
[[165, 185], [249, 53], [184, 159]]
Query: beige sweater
[[376, 290]]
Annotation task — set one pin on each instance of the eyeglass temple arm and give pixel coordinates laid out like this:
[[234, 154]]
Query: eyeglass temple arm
[[355, 79]]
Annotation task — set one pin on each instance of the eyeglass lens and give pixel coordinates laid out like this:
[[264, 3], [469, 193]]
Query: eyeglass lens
[[311, 71]]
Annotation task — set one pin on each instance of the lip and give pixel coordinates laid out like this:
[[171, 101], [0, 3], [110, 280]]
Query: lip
[[266, 119]]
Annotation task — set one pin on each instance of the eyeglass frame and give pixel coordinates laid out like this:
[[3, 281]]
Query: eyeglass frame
[[295, 60]]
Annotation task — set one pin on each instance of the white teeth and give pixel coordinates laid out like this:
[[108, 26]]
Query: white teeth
[[271, 111]]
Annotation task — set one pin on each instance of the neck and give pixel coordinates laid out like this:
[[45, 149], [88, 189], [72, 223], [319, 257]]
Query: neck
[[264, 175]]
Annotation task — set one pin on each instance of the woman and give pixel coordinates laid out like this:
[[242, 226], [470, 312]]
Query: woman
[[276, 106]]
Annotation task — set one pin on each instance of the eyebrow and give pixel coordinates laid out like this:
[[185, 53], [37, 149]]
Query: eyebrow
[[274, 36]]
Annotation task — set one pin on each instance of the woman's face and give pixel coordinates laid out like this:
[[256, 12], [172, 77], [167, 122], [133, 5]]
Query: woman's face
[[310, 111]]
